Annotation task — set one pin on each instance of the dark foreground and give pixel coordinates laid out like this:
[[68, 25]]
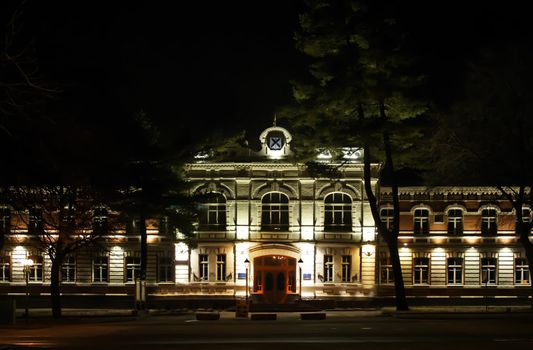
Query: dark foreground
[[341, 330]]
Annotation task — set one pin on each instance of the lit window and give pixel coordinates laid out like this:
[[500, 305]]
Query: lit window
[[100, 268], [5, 268], [221, 267], [204, 267], [521, 271], [133, 267], [455, 271], [36, 270], [421, 222], [526, 215], [346, 268], [213, 215], [488, 222], [68, 269], [421, 271], [387, 217], [337, 212], [328, 268], [165, 271], [455, 222], [386, 273], [488, 270], [275, 212]]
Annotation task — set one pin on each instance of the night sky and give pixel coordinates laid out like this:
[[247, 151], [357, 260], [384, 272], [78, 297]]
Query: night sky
[[199, 66]]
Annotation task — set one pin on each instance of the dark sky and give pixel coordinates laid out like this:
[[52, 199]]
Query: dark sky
[[196, 66]]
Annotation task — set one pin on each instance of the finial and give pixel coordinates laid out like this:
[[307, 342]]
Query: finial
[[275, 119]]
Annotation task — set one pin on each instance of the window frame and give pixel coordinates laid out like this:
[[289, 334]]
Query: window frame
[[338, 212], [421, 270], [5, 267], [272, 211], [69, 269], [132, 267], [329, 268], [214, 213], [421, 223], [221, 268], [165, 268], [346, 269], [524, 268], [203, 267], [489, 268], [36, 270], [100, 264], [455, 224], [388, 218], [455, 267], [487, 229], [386, 270]]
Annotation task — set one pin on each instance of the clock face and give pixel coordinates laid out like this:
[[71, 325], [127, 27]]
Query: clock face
[[275, 143]]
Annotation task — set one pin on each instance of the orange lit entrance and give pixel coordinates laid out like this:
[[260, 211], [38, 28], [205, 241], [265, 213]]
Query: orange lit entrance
[[274, 278]]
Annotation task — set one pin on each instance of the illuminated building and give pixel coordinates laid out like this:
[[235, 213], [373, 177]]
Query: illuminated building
[[269, 221]]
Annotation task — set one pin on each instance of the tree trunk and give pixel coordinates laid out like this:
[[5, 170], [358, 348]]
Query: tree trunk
[[389, 235], [55, 285]]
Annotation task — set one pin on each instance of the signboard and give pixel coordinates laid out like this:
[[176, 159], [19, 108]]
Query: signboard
[[307, 276], [241, 275]]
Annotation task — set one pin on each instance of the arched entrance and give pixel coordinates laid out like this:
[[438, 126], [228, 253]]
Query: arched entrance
[[274, 278]]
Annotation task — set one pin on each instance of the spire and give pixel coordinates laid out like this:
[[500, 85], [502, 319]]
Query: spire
[[275, 119]]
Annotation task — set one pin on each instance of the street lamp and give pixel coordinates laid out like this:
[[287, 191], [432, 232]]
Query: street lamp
[[247, 264], [300, 263], [28, 263]]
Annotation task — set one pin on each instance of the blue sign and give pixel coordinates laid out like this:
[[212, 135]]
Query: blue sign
[[241, 275], [307, 276]]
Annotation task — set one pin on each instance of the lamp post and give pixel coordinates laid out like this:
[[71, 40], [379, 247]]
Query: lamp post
[[28, 263], [247, 264], [300, 263]]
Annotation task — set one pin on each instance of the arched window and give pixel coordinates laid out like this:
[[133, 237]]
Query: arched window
[[421, 222], [489, 226], [275, 212], [337, 212], [213, 214], [455, 222]]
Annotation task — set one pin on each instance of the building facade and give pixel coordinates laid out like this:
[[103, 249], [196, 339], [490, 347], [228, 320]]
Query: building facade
[[275, 231]]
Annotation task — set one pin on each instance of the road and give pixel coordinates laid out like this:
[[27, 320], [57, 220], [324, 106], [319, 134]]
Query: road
[[340, 331]]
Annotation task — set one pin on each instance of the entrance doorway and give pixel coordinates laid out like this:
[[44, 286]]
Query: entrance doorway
[[274, 278]]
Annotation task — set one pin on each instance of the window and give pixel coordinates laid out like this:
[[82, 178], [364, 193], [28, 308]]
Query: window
[[100, 223], [421, 222], [221, 267], [166, 228], [488, 222], [35, 273], [421, 271], [68, 269], [346, 268], [526, 215], [387, 217], [100, 268], [35, 221], [133, 267], [275, 212], [5, 268], [386, 273], [133, 226], [204, 267], [455, 222], [455, 271], [5, 220], [328, 268], [488, 270], [165, 268], [337, 212], [521, 271], [213, 215]]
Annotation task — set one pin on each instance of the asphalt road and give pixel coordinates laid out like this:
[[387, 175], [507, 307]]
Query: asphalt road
[[338, 331]]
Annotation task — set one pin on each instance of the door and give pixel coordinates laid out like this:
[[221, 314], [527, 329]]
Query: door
[[274, 278]]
